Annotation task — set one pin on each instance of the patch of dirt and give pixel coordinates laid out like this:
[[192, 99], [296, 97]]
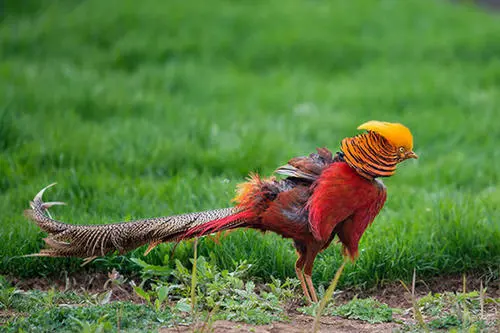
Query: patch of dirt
[[298, 324], [95, 284], [396, 296]]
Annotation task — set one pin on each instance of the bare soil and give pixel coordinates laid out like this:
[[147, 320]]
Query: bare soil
[[299, 324], [396, 296], [95, 283]]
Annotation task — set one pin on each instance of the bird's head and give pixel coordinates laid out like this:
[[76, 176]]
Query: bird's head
[[398, 135], [377, 152]]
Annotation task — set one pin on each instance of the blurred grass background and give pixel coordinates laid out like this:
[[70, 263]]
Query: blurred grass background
[[157, 108]]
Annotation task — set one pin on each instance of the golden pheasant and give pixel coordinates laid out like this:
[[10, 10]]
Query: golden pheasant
[[320, 196]]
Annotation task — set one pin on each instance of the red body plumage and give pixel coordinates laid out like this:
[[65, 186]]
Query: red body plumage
[[339, 202], [344, 202]]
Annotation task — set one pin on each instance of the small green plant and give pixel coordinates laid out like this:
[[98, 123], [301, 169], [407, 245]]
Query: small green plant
[[219, 294], [102, 325], [92, 318], [462, 310], [48, 298], [417, 314], [310, 309], [284, 290], [8, 294], [367, 309], [157, 296], [445, 322]]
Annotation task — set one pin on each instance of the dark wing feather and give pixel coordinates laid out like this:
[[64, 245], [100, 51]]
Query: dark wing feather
[[307, 168]]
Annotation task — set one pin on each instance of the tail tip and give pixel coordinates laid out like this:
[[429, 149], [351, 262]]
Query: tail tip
[[39, 195]]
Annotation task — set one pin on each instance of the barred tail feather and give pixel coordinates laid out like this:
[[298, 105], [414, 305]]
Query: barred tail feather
[[90, 241], [237, 220]]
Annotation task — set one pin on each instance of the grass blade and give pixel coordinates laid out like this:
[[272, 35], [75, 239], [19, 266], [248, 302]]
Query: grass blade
[[193, 279], [328, 295], [416, 310]]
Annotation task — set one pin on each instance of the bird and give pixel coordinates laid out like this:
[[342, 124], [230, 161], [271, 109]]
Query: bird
[[312, 199]]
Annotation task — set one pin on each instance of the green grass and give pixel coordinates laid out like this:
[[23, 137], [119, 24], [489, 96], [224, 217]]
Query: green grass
[[151, 110]]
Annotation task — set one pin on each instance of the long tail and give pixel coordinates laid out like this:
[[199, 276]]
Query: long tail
[[91, 241], [236, 220]]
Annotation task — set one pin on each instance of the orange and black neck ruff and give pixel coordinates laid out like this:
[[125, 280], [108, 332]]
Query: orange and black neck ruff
[[371, 155]]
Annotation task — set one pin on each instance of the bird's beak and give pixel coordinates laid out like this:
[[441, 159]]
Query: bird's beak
[[411, 154]]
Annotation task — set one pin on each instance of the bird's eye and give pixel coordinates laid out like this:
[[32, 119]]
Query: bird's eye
[[401, 149]]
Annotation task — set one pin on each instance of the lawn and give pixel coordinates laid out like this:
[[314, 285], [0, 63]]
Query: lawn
[[163, 107]]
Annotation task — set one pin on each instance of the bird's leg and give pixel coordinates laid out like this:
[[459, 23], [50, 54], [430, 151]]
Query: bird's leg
[[311, 288], [299, 265], [311, 255]]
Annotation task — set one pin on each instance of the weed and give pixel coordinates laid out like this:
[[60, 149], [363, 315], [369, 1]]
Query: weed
[[72, 317], [417, 313], [223, 290], [284, 290], [102, 325], [7, 296], [445, 322], [156, 297], [367, 309], [456, 310]]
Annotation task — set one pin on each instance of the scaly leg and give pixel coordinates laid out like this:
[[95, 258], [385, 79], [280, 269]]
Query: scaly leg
[[308, 266], [311, 288], [299, 265]]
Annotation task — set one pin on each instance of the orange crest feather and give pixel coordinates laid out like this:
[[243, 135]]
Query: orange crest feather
[[397, 134]]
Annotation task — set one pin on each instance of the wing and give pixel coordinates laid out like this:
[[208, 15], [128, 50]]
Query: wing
[[307, 168], [344, 202]]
